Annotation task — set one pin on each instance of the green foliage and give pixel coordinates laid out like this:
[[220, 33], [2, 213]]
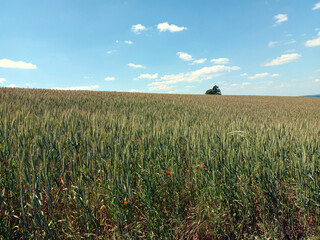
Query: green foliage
[[214, 91], [209, 92], [101, 165]]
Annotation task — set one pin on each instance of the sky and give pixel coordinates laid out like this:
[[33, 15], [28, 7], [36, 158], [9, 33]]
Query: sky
[[251, 47]]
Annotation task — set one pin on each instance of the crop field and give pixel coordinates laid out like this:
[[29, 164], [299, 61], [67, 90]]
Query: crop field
[[103, 165]]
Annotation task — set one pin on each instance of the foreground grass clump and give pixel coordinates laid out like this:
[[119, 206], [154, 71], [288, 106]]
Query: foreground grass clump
[[116, 165]]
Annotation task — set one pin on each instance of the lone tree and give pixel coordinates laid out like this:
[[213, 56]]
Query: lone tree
[[214, 91]]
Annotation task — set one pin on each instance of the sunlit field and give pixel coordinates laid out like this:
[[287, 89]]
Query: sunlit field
[[101, 165]]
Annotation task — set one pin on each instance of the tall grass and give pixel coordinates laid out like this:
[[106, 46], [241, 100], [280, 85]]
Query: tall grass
[[116, 165]]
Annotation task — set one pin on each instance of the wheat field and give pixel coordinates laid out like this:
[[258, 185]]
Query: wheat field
[[106, 165]]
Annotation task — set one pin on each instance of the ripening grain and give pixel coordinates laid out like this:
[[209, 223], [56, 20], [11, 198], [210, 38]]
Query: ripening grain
[[117, 165]]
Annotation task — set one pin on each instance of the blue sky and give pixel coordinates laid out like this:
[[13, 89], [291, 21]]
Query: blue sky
[[252, 47]]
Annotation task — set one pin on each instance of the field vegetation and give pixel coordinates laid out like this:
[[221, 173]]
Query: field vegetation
[[101, 165]]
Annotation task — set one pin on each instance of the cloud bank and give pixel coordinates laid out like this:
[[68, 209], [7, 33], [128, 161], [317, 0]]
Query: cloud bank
[[259, 75], [220, 60], [316, 6], [163, 27], [314, 42], [7, 63], [135, 65], [148, 76], [283, 59], [280, 18], [184, 56], [199, 75], [79, 88], [138, 28], [110, 78]]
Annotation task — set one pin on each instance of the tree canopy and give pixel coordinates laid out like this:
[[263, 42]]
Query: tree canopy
[[214, 91]]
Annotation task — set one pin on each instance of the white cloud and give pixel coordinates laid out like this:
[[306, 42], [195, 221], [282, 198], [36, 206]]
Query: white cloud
[[27, 84], [194, 76], [207, 71], [285, 58], [281, 18], [171, 79], [138, 28], [128, 42], [240, 85], [147, 76], [279, 43], [244, 75], [7, 63], [220, 61], [316, 6], [199, 61], [2, 80], [259, 75], [275, 75], [79, 88], [282, 86], [111, 51], [184, 56], [135, 91], [163, 27], [273, 43], [12, 86], [135, 65], [317, 80], [110, 78], [314, 42]]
